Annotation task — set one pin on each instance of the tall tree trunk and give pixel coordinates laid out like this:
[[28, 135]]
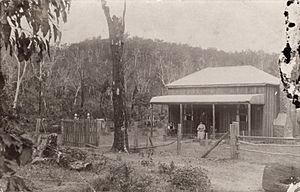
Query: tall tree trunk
[[2, 80], [40, 98], [2, 84], [82, 85], [40, 89], [76, 95], [116, 27], [19, 81]]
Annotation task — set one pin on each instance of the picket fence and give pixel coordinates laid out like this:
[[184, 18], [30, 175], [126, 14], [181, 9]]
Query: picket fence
[[81, 132]]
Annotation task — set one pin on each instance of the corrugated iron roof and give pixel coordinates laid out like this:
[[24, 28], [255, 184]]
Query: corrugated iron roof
[[175, 99], [232, 75]]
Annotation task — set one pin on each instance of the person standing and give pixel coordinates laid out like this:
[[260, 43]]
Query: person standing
[[201, 130]]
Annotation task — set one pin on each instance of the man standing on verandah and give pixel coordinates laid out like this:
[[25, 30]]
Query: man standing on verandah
[[201, 130]]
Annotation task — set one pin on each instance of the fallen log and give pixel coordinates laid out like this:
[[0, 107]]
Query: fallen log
[[278, 177]]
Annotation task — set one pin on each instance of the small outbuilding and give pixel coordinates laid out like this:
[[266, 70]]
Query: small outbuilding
[[219, 96]]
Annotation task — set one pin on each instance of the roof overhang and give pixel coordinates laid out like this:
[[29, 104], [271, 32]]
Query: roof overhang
[[209, 99], [170, 86]]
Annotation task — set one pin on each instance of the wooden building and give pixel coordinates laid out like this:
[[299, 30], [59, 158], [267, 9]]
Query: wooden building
[[218, 96]]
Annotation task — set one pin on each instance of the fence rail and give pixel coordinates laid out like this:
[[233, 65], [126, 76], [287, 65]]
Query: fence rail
[[270, 153], [80, 132], [268, 144], [274, 146], [268, 138]]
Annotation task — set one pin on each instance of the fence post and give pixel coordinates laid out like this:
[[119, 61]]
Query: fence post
[[206, 139], [179, 131], [165, 133], [135, 141], [99, 130], [75, 131], [237, 125], [86, 128], [233, 141], [62, 132]]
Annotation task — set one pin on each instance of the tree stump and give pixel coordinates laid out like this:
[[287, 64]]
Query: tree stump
[[277, 177]]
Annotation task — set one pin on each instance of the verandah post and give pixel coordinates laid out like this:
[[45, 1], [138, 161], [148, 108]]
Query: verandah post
[[249, 119], [214, 121], [152, 116], [179, 131]]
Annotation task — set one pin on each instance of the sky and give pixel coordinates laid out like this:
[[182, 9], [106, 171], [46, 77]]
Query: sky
[[229, 25]]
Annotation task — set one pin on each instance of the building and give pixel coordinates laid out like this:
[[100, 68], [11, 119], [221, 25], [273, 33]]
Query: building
[[219, 96]]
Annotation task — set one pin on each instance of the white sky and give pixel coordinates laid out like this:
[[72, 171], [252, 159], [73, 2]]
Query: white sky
[[230, 25]]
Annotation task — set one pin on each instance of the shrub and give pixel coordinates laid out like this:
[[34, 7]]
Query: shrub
[[190, 179], [164, 168], [124, 178], [147, 162]]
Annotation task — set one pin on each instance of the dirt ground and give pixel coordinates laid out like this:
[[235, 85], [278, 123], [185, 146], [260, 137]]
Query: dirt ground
[[226, 175]]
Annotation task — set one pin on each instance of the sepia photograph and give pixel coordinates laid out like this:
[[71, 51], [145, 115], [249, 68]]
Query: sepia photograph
[[149, 95]]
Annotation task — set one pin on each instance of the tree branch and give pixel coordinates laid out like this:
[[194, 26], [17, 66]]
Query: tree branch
[[123, 19]]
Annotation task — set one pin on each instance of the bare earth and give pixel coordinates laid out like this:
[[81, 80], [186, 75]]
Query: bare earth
[[226, 175]]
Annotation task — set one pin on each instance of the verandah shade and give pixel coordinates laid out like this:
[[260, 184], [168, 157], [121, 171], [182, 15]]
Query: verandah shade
[[226, 99]]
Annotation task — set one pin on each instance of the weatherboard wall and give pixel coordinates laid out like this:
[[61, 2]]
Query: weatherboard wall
[[271, 108], [216, 90]]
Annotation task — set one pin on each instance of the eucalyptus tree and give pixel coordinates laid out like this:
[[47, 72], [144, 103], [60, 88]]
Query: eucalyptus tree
[[116, 28], [27, 26]]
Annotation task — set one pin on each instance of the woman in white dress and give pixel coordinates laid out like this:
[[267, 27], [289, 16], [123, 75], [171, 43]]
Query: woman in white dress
[[201, 130]]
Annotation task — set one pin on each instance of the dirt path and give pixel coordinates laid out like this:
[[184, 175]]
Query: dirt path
[[235, 176]]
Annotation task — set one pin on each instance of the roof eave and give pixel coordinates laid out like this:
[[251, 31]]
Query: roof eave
[[221, 85], [203, 103]]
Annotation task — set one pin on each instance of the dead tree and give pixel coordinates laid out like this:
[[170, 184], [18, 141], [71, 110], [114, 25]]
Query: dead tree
[[116, 27]]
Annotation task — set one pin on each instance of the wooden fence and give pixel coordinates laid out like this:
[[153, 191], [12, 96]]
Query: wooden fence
[[80, 132], [272, 146]]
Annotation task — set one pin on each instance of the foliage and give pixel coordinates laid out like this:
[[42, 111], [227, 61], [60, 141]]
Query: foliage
[[26, 27], [12, 154], [148, 161], [125, 179], [191, 179], [13, 183], [288, 60], [164, 168]]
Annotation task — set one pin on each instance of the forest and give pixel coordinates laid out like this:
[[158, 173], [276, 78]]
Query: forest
[[77, 78]]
